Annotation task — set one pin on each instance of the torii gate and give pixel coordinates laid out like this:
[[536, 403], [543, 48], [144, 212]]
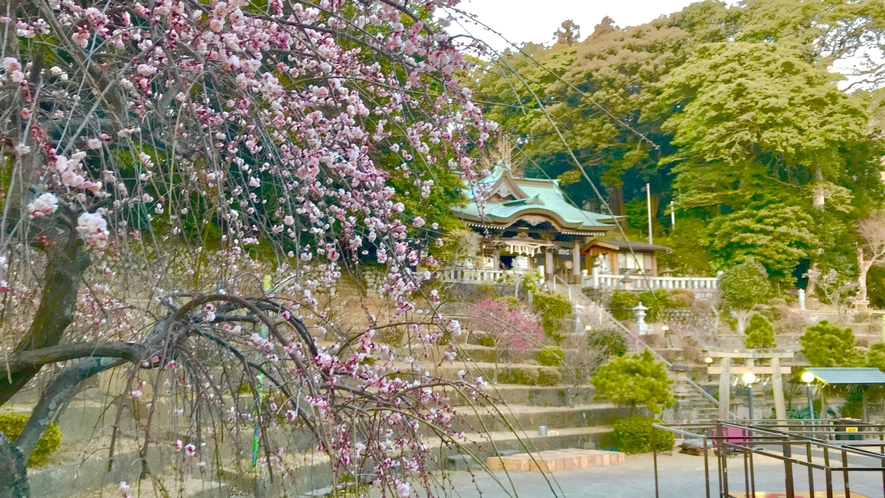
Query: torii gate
[[750, 357]]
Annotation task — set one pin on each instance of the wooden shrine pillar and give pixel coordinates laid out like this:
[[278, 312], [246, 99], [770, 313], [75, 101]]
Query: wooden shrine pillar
[[576, 264], [548, 263], [777, 385], [724, 388]]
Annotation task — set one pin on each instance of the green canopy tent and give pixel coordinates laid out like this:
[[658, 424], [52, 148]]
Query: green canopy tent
[[842, 376]]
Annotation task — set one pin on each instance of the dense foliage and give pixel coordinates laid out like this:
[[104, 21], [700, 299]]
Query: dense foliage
[[759, 333], [12, 425], [622, 303], [638, 379], [550, 356], [828, 345], [731, 113], [636, 435], [553, 309], [743, 287]]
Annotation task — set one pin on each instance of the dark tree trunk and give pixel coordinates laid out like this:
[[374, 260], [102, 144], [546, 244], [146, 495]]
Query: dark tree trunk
[[616, 200], [13, 459], [65, 265], [13, 472]]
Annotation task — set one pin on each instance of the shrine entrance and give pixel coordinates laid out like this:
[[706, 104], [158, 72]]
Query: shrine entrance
[[752, 369]]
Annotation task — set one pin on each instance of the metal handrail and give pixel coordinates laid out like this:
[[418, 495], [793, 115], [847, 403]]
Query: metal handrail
[[638, 339]]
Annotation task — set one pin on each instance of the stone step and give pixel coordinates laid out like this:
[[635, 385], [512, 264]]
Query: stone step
[[189, 487], [547, 396], [529, 418], [555, 460]]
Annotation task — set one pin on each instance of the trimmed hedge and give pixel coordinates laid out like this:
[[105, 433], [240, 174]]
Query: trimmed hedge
[[549, 376], [550, 356], [527, 375], [12, 425], [635, 434], [622, 304]]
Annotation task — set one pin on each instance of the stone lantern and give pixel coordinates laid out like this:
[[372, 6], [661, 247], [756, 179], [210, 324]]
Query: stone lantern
[[641, 326]]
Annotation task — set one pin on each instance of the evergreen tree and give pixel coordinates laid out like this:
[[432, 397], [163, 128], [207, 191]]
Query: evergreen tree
[[828, 345], [759, 333], [637, 379]]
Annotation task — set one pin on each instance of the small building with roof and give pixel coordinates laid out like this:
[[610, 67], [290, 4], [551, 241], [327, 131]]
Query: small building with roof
[[618, 257], [521, 225], [529, 224]]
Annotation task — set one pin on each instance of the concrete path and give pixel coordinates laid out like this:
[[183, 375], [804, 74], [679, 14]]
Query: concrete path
[[680, 476]]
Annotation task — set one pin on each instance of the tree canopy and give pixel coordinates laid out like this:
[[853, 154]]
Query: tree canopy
[[637, 379], [735, 115], [759, 333], [828, 345]]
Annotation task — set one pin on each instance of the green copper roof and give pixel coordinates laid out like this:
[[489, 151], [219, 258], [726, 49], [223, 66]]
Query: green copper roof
[[847, 375], [518, 198]]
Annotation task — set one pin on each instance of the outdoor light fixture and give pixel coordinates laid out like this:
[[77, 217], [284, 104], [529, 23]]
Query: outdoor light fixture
[[665, 328], [587, 328], [749, 378], [708, 360], [808, 378]]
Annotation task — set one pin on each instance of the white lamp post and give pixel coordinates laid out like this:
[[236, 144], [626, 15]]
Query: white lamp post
[[808, 378]]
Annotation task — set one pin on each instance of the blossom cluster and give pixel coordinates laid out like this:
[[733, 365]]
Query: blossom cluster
[[170, 126]]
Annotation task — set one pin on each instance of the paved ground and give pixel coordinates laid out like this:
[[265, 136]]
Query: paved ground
[[680, 476]]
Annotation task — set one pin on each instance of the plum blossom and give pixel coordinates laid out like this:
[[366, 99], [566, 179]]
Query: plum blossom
[[94, 229], [43, 205], [257, 156], [403, 490], [21, 149]]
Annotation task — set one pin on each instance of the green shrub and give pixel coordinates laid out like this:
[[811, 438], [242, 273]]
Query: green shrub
[[550, 356], [528, 375], [552, 308], [636, 435], [521, 375], [681, 298], [622, 303], [486, 340], [608, 342], [760, 333], [853, 406], [549, 376], [12, 424], [638, 379]]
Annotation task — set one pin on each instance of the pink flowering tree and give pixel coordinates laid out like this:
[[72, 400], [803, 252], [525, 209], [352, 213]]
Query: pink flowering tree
[[513, 329], [160, 157]]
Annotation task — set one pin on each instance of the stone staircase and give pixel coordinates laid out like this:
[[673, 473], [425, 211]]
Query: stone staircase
[[693, 404]]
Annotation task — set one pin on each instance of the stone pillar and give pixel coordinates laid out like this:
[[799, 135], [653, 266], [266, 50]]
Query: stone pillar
[[777, 385], [801, 299], [724, 388], [594, 277]]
